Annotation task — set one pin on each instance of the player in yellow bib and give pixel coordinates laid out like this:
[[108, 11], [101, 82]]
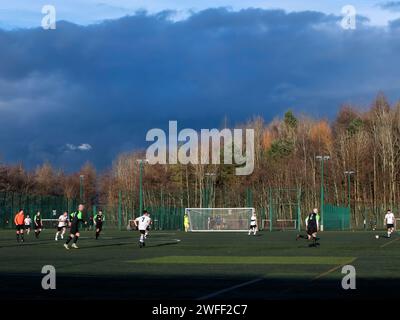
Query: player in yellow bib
[[186, 222]]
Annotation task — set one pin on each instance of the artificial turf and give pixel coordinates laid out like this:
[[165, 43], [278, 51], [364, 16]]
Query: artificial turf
[[176, 265]]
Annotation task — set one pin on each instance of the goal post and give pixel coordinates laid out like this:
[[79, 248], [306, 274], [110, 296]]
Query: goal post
[[219, 219]]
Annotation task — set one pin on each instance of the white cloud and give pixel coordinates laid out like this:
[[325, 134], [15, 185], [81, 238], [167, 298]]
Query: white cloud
[[81, 147], [85, 147]]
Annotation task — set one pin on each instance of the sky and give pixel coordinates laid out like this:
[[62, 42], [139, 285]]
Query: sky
[[27, 13], [92, 88]]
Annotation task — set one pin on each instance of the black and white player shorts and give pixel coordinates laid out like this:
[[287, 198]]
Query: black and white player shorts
[[142, 231], [390, 225], [253, 227], [61, 228], [39, 226], [20, 227]]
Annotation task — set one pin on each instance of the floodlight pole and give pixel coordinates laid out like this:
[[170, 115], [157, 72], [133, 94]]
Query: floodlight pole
[[208, 193], [81, 177], [349, 174], [141, 161], [322, 159]]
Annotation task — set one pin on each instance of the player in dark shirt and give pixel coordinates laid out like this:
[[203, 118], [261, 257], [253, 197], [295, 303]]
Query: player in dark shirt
[[312, 225], [98, 221], [37, 220], [76, 218]]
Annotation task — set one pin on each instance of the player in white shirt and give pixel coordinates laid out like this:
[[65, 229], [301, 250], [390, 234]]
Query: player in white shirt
[[28, 224], [389, 221], [148, 227], [253, 224], [62, 225], [142, 223]]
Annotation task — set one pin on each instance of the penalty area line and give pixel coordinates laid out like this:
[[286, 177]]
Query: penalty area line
[[319, 276], [390, 242], [212, 295], [323, 274]]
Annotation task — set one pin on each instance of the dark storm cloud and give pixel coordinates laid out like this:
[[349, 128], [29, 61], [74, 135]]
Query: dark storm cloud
[[107, 84]]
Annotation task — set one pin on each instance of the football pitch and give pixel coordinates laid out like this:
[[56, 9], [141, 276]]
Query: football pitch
[[200, 266]]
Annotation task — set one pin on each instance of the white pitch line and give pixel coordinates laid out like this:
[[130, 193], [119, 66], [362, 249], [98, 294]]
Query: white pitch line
[[323, 274], [390, 242], [212, 295]]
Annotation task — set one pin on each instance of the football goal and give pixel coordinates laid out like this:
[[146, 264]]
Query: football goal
[[219, 219]]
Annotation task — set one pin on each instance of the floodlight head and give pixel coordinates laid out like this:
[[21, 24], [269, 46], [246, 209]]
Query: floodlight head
[[323, 158]]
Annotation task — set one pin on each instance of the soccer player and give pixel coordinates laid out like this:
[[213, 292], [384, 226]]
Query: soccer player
[[37, 219], [91, 222], [142, 223], [253, 224], [389, 221], [148, 227], [312, 226], [28, 223], [98, 223], [218, 222], [76, 220], [19, 223], [186, 222], [62, 225]]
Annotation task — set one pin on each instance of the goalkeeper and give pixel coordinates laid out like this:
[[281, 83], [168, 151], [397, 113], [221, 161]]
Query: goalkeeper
[[186, 222]]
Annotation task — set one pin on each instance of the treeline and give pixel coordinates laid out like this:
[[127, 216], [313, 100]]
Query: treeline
[[366, 141]]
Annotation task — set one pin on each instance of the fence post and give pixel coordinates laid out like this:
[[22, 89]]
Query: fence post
[[249, 198], [299, 209], [119, 210], [270, 209]]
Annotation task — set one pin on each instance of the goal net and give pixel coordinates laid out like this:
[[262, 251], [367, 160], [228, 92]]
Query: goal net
[[219, 219]]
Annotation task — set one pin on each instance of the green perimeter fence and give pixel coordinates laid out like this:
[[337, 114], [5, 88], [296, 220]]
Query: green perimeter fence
[[284, 210], [336, 218], [50, 207], [164, 218]]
